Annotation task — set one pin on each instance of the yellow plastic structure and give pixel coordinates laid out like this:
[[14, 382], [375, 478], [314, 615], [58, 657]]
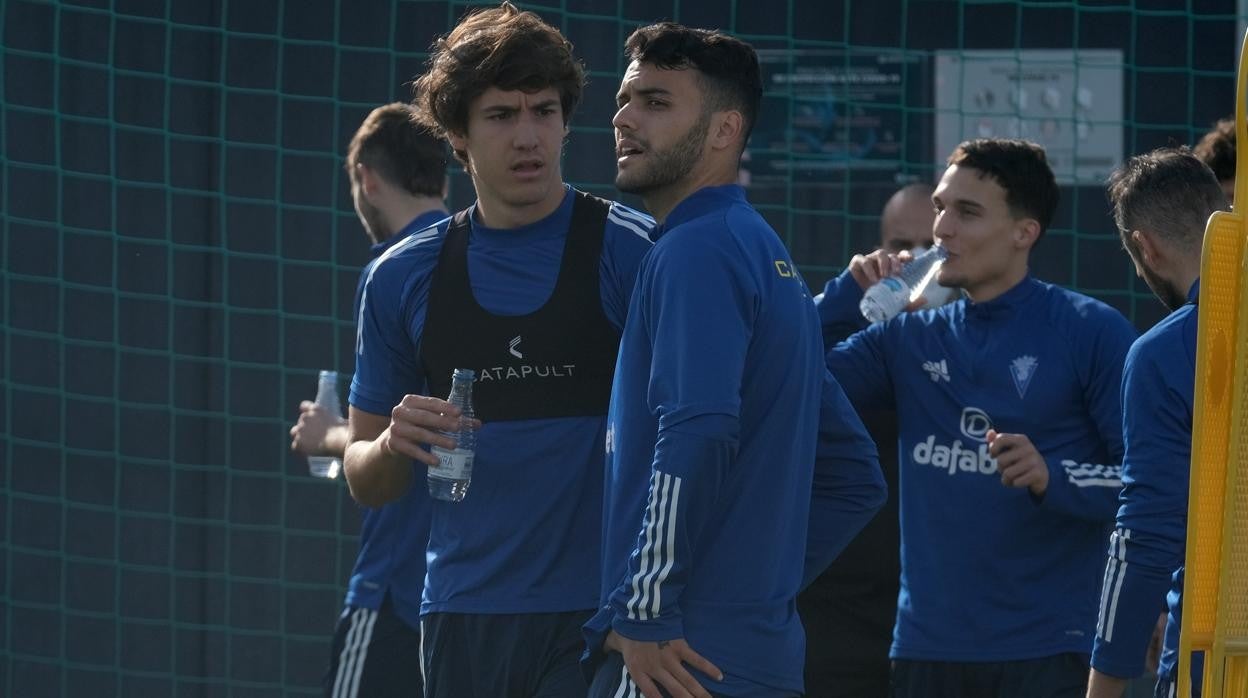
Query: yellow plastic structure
[[1215, 588]]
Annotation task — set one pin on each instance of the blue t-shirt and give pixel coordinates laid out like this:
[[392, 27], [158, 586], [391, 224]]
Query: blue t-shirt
[[1144, 572], [392, 538], [525, 540], [711, 442], [993, 573]]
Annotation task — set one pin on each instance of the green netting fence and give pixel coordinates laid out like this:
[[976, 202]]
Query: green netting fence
[[179, 254]]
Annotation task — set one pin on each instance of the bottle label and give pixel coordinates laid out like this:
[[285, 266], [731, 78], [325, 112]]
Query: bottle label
[[895, 285], [885, 299], [453, 465]]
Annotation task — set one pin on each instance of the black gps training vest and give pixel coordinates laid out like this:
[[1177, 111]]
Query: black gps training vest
[[557, 361]]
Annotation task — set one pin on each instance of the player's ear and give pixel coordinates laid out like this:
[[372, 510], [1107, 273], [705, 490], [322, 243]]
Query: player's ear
[[458, 141], [1146, 243], [726, 128], [1026, 232], [367, 178]]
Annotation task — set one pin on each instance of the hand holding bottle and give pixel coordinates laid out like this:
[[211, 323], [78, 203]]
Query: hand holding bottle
[[328, 413], [901, 290], [420, 422], [450, 479], [311, 433], [868, 269]]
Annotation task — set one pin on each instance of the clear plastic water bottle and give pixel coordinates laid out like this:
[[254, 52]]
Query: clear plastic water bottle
[[449, 481], [892, 294], [327, 398]]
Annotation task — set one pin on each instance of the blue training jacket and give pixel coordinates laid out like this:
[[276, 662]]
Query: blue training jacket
[[728, 441], [992, 573], [1144, 570]]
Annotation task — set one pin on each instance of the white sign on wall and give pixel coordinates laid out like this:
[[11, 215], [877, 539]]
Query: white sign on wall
[[1069, 102]]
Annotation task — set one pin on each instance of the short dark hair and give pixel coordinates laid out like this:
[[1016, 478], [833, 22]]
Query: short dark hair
[[498, 47], [1217, 149], [1168, 191], [402, 151], [728, 66], [1022, 170]]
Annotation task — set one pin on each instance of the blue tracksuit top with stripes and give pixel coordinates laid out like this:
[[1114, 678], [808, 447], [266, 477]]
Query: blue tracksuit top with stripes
[[711, 482], [993, 573], [1144, 572], [392, 538], [526, 539]]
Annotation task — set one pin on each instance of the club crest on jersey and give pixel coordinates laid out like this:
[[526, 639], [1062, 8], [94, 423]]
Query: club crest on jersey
[[1022, 370]]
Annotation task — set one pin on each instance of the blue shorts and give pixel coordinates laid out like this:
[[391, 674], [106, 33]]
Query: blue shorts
[[1058, 676], [530, 655], [374, 654]]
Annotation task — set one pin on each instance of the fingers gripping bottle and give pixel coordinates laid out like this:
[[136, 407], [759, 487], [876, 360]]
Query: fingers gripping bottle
[[327, 397], [892, 294], [449, 481]]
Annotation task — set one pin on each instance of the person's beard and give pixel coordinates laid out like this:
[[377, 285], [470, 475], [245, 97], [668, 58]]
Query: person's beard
[[1165, 291], [374, 223], [666, 167]]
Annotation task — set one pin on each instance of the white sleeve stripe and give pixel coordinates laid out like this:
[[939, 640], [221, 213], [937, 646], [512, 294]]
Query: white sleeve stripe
[[622, 210], [670, 552], [656, 552], [626, 689], [1107, 580], [627, 224], [1096, 482], [1120, 540], [1092, 469], [644, 557]]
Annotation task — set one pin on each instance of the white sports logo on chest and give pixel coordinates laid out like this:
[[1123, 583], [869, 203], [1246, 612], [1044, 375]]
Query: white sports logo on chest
[[937, 370]]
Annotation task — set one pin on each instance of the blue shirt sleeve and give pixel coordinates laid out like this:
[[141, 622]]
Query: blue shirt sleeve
[[694, 389], [1078, 488], [387, 364], [860, 365], [839, 314], [848, 486], [1148, 544], [625, 243]]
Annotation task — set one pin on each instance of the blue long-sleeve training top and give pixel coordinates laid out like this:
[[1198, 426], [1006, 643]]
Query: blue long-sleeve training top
[[720, 410], [1144, 570], [993, 573]]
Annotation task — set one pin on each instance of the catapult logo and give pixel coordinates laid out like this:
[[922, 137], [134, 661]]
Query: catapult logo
[[957, 458], [521, 371]]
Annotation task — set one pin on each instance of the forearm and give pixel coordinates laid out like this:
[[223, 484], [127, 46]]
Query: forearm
[[375, 473], [337, 438], [689, 466], [1138, 574]]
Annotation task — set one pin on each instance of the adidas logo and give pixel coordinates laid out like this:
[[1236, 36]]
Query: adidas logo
[[938, 370]]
